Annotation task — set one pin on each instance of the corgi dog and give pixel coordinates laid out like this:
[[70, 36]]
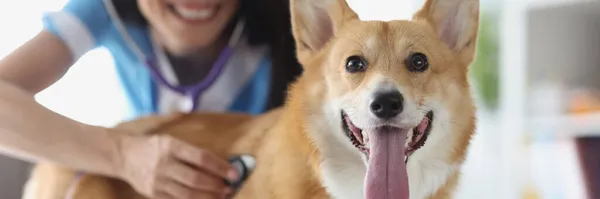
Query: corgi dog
[[383, 109]]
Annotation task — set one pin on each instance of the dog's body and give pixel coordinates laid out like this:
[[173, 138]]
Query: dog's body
[[395, 89]]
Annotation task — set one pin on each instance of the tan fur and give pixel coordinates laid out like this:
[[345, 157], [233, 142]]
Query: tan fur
[[290, 143]]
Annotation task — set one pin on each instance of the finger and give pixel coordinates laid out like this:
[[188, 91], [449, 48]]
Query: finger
[[204, 160], [195, 178], [178, 191]]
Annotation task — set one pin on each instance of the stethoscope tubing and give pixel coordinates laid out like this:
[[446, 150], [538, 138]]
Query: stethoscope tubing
[[193, 91]]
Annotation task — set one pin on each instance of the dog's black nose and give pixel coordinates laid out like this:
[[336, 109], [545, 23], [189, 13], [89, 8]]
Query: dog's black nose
[[387, 105]]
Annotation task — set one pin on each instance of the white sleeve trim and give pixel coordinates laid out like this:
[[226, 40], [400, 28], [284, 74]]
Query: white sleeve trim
[[73, 32]]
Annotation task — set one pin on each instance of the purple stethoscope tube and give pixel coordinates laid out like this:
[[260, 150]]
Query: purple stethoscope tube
[[193, 91]]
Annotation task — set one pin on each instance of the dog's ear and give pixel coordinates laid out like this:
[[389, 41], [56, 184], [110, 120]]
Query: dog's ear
[[456, 23], [315, 22]]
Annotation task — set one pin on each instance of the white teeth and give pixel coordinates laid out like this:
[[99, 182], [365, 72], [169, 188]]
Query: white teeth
[[194, 14]]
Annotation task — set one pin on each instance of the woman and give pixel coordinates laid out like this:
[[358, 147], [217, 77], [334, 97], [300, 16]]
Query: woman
[[171, 55]]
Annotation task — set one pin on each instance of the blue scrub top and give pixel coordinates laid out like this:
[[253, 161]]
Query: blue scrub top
[[88, 24]]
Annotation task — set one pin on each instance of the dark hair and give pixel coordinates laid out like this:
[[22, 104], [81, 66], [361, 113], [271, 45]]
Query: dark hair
[[267, 22]]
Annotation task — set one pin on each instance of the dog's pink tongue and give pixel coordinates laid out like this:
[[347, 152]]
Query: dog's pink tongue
[[386, 172]]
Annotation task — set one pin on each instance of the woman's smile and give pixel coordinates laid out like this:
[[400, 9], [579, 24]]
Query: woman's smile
[[194, 12], [184, 26]]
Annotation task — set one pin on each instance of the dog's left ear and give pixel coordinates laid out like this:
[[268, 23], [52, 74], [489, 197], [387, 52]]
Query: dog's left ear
[[315, 22], [456, 23]]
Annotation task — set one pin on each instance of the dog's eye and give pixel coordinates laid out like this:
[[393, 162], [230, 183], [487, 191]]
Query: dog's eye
[[355, 64], [417, 62]]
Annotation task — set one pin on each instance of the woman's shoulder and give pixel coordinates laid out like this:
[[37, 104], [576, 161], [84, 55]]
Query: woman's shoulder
[[87, 24], [89, 12], [98, 17], [80, 24]]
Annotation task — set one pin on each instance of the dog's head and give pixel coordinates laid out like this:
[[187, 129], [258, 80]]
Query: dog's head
[[393, 95]]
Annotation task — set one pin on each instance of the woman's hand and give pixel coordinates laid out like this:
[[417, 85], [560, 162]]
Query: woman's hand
[[163, 167]]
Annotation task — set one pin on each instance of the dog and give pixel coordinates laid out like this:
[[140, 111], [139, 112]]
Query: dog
[[383, 109]]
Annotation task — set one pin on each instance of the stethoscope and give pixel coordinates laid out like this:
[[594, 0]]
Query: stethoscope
[[192, 92]]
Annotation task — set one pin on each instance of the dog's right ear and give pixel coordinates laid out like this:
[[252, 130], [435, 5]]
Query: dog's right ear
[[315, 22]]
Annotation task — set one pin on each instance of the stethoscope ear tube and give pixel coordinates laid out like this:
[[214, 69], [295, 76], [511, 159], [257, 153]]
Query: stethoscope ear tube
[[244, 165]]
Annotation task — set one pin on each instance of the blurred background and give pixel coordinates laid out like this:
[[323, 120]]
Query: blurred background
[[535, 79]]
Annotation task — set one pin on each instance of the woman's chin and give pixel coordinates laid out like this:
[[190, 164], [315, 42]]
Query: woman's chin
[[189, 48]]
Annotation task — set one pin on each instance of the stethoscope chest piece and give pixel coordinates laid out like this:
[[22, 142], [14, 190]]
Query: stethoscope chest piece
[[244, 165]]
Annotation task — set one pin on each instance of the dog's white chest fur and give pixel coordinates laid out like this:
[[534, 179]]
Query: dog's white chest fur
[[344, 177]]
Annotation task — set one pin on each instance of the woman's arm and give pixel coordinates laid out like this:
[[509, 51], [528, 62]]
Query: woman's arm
[[154, 166], [30, 131]]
